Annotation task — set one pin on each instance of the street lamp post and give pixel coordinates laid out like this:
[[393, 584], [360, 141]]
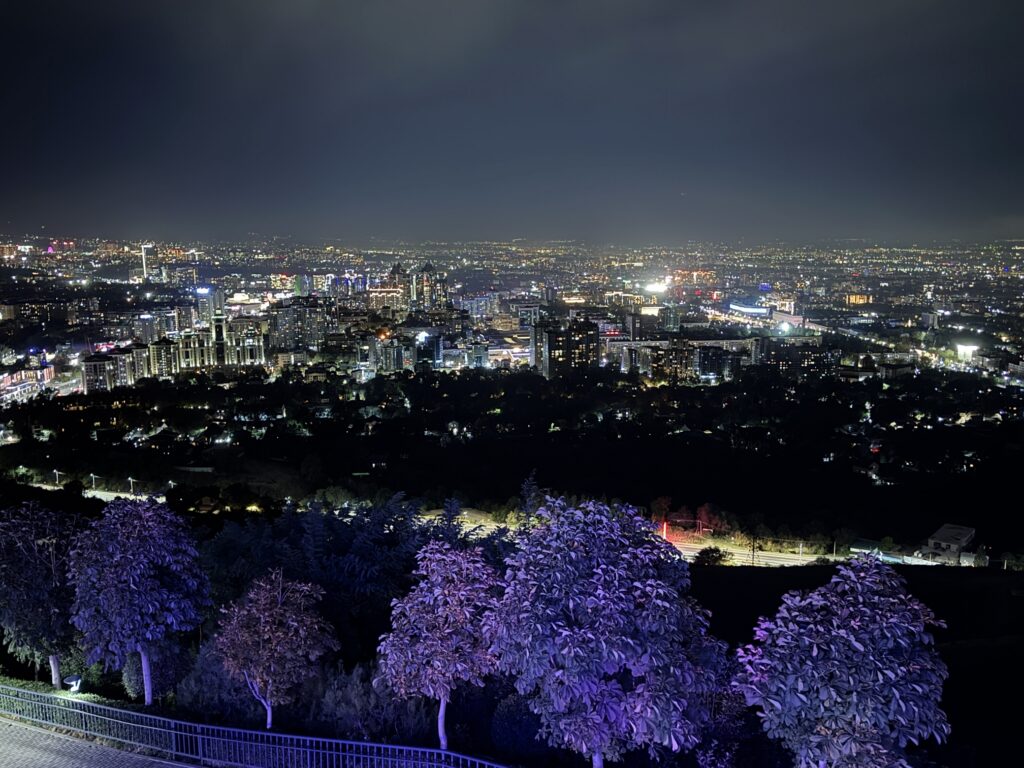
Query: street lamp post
[[93, 475], [56, 477], [131, 486]]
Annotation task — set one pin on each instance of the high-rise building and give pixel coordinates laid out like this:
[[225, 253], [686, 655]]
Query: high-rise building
[[393, 291], [300, 323], [246, 345], [164, 358], [98, 374], [147, 328], [569, 346], [479, 356], [632, 326], [124, 373], [210, 301], [428, 289], [395, 354], [717, 363], [381, 296], [148, 258], [140, 359], [528, 313]]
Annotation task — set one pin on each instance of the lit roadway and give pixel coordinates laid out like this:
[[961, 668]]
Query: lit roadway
[[102, 495], [741, 556], [689, 549]]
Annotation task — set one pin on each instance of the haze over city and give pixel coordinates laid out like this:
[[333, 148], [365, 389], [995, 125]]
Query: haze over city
[[636, 123]]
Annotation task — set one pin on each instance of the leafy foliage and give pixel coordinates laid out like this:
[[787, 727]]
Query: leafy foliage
[[272, 638], [137, 580], [361, 558], [436, 641], [171, 662], [352, 707], [34, 592], [209, 690], [847, 675], [530, 500], [599, 635], [448, 527], [712, 556]]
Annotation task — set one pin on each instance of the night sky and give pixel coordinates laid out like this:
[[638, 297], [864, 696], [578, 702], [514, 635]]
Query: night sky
[[634, 122]]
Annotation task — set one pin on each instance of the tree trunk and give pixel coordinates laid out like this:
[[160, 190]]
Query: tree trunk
[[147, 677], [270, 714], [598, 761], [442, 735], [55, 670]]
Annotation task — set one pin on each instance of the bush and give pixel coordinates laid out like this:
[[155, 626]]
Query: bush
[[209, 692], [353, 708], [712, 556], [93, 676], [169, 663], [500, 515], [40, 687]]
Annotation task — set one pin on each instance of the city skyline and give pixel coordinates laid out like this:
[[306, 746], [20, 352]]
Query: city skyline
[[656, 122]]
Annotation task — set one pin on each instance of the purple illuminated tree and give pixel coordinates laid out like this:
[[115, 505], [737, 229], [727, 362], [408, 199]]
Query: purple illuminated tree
[[847, 675], [436, 642], [137, 580], [597, 631], [273, 637], [35, 596]]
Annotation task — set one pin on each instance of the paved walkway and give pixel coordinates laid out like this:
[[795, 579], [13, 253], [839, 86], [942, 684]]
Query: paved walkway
[[28, 747]]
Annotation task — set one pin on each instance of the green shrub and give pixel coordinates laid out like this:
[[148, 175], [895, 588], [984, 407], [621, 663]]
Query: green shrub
[[169, 663], [208, 692], [352, 707]]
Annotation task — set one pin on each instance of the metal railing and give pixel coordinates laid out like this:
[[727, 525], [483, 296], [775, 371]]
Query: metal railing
[[214, 746]]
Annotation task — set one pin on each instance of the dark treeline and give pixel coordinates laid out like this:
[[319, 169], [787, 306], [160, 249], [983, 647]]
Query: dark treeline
[[894, 459]]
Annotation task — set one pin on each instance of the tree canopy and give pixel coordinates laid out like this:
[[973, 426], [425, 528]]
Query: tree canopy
[[596, 629], [273, 637], [36, 596], [847, 675], [436, 641], [137, 579]]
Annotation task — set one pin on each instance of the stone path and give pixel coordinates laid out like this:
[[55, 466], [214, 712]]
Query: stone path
[[28, 747]]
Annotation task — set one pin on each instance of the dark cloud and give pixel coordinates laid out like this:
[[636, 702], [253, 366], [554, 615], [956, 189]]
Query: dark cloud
[[538, 118]]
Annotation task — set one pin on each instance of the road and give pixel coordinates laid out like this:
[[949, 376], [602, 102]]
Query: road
[[102, 495], [28, 747], [740, 556]]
